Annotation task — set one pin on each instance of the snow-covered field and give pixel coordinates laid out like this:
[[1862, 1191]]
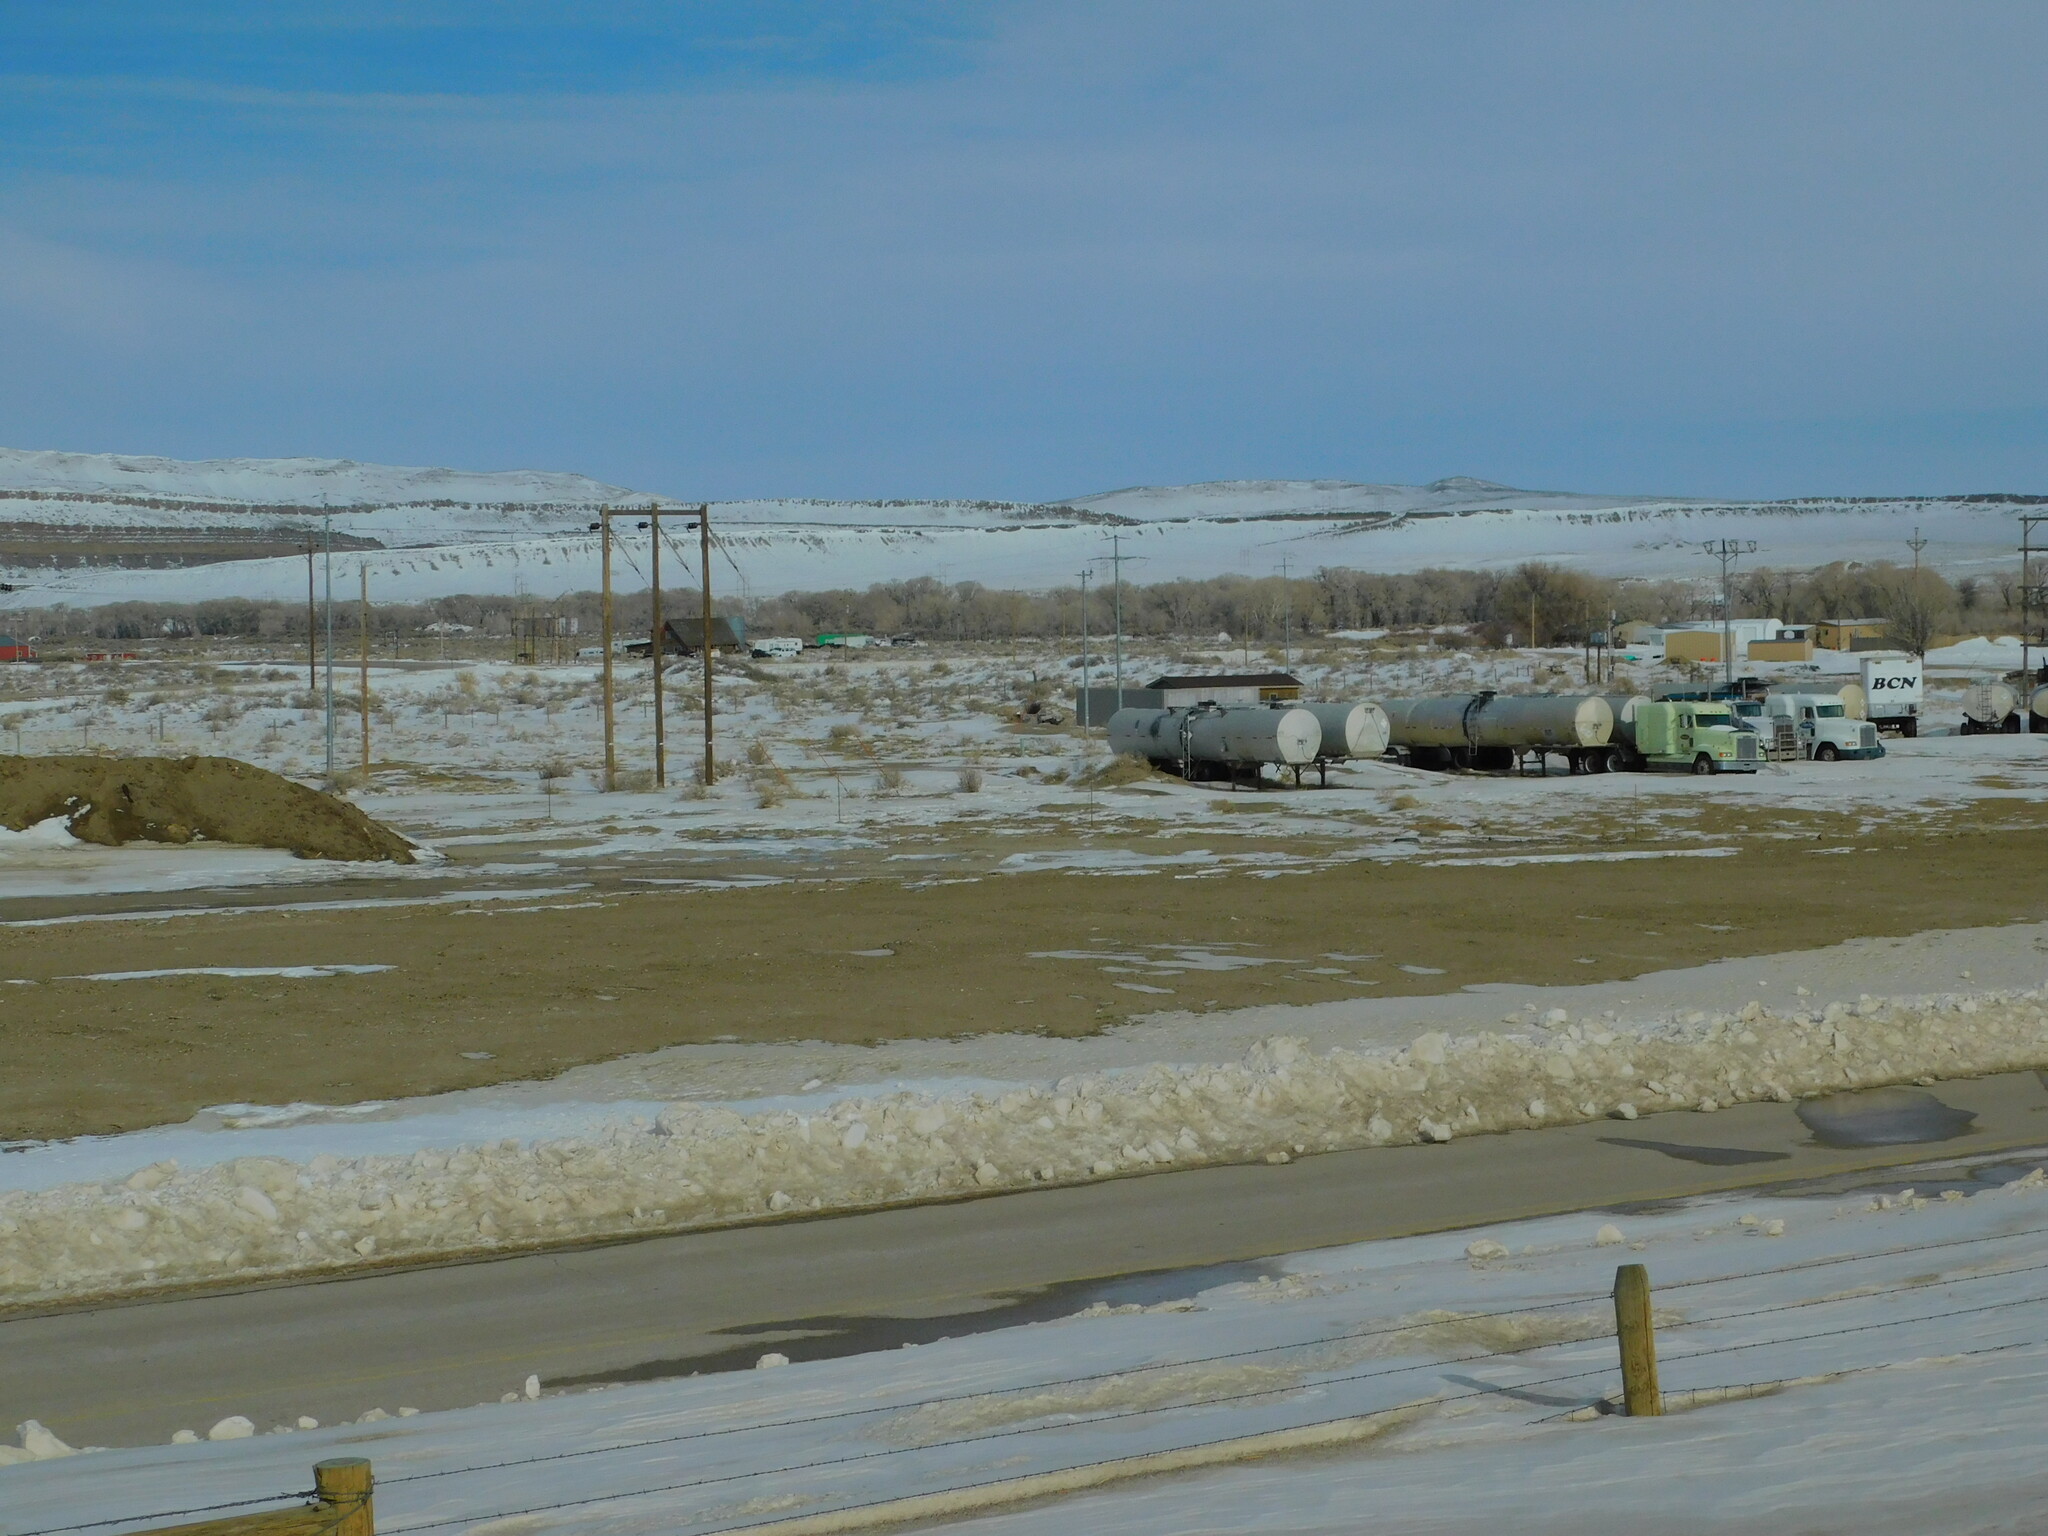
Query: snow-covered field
[[1459, 1375], [1870, 1361], [819, 746], [450, 532]]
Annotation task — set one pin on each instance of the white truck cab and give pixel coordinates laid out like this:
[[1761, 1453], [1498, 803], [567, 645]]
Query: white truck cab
[[1825, 730]]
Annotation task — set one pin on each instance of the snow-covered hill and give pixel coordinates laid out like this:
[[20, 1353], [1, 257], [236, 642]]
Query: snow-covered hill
[[444, 531], [268, 483]]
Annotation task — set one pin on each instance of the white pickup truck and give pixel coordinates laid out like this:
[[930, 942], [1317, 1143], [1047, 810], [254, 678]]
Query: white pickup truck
[[1825, 730]]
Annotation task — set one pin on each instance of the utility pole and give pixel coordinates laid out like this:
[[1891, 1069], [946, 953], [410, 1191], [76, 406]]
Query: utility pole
[[1916, 544], [1286, 617], [704, 561], [327, 560], [312, 627], [1085, 711], [2030, 593], [654, 648], [603, 529], [363, 622], [1116, 562], [1728, 551]]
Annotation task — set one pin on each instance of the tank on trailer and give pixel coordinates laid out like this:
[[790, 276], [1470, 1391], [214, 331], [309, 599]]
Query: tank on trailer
[[1222, 735], [1990, 708], [1487, 729], [1350, 730]]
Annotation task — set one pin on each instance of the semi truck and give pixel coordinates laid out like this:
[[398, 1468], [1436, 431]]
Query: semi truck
[[1825, 731], [1697, 735]]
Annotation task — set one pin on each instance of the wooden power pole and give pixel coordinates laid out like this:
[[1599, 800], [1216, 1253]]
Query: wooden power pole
[[312, 626], [363, 619], [660, 738], [704, 561], [611, 752]]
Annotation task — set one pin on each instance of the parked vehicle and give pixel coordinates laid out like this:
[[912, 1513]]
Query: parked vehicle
[[1888, 695], [1698, 735], [777, 647], [1486, 730], [1211, 741], [1826, 732], [1995, 706]]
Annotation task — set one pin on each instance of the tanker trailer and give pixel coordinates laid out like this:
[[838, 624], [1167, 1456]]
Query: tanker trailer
[[1486, 730], [1214, 741], [1990, 709], [1622, 753], [1349, 730], [2038, 708]]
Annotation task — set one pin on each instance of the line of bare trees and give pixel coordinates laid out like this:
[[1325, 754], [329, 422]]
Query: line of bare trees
[[1564, 605]]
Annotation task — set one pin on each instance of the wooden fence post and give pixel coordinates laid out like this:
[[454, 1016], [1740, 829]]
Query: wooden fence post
[[343, 1485], [1633, 1327]]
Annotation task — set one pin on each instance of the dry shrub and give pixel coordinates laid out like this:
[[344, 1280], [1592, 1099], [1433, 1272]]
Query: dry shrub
[[969, 781], [1126, 769]]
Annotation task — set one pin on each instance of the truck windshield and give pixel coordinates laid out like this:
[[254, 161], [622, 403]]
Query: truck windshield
[[1828, 712]]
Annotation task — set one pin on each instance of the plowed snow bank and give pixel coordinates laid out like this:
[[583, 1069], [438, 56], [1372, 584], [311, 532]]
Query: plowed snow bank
[[115, 800], [697, 1166]]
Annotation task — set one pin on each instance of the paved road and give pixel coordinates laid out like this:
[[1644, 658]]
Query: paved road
[[460, 1334]]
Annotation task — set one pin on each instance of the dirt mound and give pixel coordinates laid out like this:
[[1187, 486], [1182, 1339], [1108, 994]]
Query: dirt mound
[[116, 800]]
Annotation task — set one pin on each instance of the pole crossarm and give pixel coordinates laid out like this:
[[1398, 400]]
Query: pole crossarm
[[1728, 551]]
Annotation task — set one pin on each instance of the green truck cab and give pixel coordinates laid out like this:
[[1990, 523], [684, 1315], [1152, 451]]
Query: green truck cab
[[1696, 735]]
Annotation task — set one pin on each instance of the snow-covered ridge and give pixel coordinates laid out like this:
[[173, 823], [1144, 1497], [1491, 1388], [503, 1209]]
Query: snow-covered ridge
[[444, 531], [696, 1166], [285, 482]]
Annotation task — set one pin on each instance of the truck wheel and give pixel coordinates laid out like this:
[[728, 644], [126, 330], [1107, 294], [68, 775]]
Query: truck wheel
[[1702, 764], [1911, 728], [1595, 762], [1825, 752]]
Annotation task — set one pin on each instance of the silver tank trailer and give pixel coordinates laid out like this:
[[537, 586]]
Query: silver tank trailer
[[1250, 733], [1990, 707], [1525, 722], [2038, 707], [1350, 730]]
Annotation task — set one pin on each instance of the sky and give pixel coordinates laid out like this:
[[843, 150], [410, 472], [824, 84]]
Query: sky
[[1034, 250]]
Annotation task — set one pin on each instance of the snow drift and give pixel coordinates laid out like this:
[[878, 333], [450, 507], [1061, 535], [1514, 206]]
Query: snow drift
[[697, 1166]]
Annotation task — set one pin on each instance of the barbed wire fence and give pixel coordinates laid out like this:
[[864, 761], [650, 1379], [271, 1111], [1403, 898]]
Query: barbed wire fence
[[1309, 1377]]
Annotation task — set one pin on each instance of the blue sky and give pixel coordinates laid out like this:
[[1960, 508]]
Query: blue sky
[[1031, 250]]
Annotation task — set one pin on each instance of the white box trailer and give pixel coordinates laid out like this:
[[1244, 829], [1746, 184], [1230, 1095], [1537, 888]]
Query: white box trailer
[[1889, 693]]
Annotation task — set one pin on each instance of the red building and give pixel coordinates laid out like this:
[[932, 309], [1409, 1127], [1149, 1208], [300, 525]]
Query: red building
[[12, 649]]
